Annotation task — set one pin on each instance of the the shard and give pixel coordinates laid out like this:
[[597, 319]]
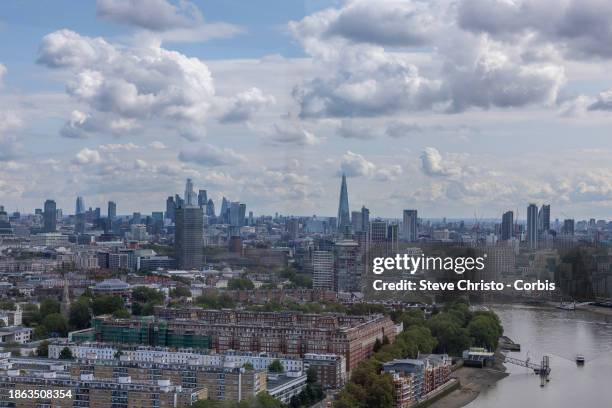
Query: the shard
[[344, 216]]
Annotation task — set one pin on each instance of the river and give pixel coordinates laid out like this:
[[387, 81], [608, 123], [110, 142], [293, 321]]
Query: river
[[561, 335]]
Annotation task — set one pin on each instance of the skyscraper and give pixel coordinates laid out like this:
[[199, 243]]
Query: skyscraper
[[344, 216], [532, 226], [80, 205], [347, 266], [188, 237], [170, 208], [568, 226], [202, 198], [544, 218], [356, 221], [507, 226], [409, 226], [224, 214], [365, 219], [210, 208], [112, 210], [190, 195], [50, 216]]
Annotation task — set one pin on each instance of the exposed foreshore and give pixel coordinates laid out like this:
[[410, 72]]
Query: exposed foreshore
[[472, 382]]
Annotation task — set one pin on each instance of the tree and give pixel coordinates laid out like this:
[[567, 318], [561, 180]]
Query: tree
[[121, 314], [248, 366], [377, 345], [30, 314], [66, 354], [311, 376], [80, 314], [43, 349], [107, 304], [56, 323], [49, 306], [240, 284], [7, 304], [180, 291], [276, 366], [143, 294]]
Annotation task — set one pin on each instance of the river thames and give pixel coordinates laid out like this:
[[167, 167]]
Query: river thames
[[561, 335]]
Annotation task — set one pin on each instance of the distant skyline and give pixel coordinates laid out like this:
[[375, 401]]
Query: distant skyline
[[449, 107]]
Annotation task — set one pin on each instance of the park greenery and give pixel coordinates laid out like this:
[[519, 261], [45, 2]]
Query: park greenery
[[451, 330]]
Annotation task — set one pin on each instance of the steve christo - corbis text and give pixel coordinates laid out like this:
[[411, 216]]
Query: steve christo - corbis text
[[460, 265]]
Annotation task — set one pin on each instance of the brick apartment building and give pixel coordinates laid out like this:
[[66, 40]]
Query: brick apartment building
[[289, 333]]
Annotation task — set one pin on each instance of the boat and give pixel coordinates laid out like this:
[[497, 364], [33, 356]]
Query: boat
[[580, 359], [567, 306]]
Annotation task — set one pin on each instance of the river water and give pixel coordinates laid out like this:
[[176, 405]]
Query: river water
[[561, 335]]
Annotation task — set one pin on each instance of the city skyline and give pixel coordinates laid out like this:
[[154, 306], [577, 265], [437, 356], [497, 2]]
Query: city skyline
[[271, 107]]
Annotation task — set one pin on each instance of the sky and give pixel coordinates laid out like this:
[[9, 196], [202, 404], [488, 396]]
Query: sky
[[456, 108]]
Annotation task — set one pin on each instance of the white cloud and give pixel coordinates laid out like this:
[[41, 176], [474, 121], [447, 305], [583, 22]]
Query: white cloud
[[356, 165], [10, 145], [433, 164], [181, 22], [292, 132], [157, 145], [210, 156], [114, 147], [242, 106], [367, 74], [87, 156]]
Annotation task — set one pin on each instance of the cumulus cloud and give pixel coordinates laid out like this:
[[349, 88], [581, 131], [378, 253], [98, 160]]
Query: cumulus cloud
[[181, 22], [372, 71], [211, 156], [356, 165], [292, 132], [87, 156], [433, 164], [580, 28], [242, 106], [603, 102], [10, 144]]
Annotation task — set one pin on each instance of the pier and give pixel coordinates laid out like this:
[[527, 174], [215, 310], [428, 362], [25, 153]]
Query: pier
[[542, 369]]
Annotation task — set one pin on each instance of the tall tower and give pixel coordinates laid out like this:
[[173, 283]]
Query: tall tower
[[344, 216], [188, 237], [50, 216], [532, 226], [80, 206], [202, 198], [190, 195], [112, 210], [507, 226], [409, 226]]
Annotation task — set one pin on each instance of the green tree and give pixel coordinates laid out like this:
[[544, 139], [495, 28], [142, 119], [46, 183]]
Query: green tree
[[311, 376], [107, 304], [49, 306], [143, 294], [248, 366], [7, 304], [180, 291], [80, 314], [43, 349], [66, 354], [56, 323], [276, 366], [121, 314], [240, 284], [30, 314]]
